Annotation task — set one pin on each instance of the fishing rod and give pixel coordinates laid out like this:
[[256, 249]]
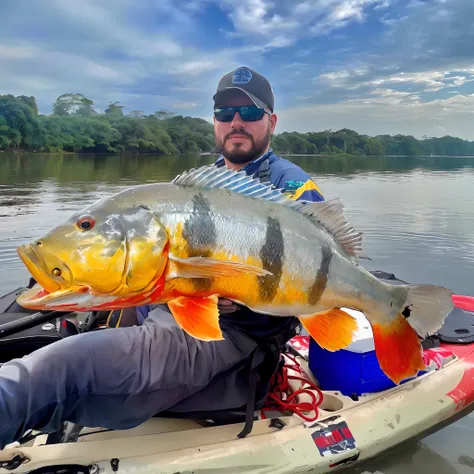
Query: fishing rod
[[28, 321]]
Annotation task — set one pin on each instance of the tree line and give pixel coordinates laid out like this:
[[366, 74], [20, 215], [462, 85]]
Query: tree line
[[76, 126]]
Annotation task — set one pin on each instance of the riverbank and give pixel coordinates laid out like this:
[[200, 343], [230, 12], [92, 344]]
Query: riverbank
[[284, 155]]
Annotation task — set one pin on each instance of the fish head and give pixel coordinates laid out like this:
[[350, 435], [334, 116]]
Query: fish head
[[109, 255]]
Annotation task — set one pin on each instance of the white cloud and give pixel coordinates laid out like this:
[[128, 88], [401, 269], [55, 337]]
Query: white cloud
[[341, 14], [284, 23], [195, 67], [390, 113], [394, 96], [16, 53], [108, 27], [428, 81], [185, 105], [384, 4]]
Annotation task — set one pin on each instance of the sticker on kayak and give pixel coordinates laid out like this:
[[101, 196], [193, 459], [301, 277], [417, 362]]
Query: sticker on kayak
[[334, 439]]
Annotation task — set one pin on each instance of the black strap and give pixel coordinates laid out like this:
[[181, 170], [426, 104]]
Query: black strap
[[266, 358], [264, 171], [251, 400]]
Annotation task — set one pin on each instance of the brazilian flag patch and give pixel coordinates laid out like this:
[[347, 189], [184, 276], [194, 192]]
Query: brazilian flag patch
[[297, 188]]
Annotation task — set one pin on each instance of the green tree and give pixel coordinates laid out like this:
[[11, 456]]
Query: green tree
[[114, 111], [75, 126], [19, 115], [69, 104], [163, 114]]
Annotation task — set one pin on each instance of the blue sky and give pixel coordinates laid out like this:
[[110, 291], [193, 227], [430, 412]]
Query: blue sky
[[375, 66]]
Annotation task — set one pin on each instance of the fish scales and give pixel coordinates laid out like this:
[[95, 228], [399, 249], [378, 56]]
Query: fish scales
[[295, 249]]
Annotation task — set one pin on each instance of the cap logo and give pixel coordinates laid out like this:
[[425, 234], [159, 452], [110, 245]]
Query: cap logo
[[241, 76]]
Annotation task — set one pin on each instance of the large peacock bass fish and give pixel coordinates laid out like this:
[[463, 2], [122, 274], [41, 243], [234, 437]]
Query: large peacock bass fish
[[214, 232]]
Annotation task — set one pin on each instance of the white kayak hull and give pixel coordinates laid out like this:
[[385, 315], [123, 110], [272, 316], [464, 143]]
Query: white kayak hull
[[370, 426]]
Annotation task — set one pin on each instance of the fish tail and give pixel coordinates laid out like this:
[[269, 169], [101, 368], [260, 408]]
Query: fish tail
[[397, 338]]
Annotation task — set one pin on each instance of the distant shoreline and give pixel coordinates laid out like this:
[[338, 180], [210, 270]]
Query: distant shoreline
[[133, 154], [76, 127]]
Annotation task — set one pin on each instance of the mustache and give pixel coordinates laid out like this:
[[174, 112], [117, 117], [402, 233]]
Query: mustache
[[238, 132]]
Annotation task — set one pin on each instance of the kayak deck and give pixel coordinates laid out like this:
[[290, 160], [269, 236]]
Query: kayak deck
[[346, 432]]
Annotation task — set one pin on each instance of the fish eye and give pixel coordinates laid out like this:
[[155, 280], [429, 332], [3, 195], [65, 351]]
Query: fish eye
[[86, 223]]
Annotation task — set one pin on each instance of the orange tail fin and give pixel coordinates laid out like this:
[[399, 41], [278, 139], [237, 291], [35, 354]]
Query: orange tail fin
[[398, 349], [333, 330], [199, 317]]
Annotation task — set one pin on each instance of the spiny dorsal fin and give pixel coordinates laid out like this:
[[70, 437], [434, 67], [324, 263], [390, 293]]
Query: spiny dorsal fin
[[327, 213], [330, 214], [237, 181]]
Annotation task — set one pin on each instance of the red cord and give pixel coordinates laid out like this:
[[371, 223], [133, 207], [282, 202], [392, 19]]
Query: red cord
[[280, 397]]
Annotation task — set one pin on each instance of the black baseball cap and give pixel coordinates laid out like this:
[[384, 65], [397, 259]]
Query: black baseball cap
[[256, 86]]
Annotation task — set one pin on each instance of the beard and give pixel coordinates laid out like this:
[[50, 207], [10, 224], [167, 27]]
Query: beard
[[237, 155]]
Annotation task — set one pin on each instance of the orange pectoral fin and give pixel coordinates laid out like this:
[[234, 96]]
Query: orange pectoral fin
[[206, 267], [199, 317], [332, 330], [398, 349]]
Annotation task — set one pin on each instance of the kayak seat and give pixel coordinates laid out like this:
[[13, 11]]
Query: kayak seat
[[29, 340], [458, 328]]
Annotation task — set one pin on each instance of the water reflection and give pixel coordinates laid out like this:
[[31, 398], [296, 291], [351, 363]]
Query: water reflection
[[409, 459], [72, 170], [448, 451], [67, 169]]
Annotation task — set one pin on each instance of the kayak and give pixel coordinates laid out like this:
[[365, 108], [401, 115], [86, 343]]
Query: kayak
[[306, 426]]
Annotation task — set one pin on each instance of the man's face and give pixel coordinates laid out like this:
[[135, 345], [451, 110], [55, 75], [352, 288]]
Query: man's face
[[239, 141]]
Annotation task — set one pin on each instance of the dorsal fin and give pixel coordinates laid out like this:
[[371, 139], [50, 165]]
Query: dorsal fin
[[212, 176], [329, 214]]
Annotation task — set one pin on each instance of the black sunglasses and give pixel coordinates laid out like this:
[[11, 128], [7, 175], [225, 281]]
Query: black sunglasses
[[249, 113]]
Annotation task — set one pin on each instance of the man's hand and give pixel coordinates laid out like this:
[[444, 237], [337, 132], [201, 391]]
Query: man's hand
[[226, 306]]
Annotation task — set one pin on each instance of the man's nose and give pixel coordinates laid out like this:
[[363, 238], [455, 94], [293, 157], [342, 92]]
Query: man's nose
[[237, 121]]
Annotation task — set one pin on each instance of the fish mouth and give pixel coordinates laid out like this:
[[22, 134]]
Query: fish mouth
[[48, 294], [83, 299], [36, 267], [70, 299]]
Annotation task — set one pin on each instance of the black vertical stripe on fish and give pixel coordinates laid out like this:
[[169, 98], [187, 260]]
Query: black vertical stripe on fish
[[272, 255], [320, 282], [200, 235]]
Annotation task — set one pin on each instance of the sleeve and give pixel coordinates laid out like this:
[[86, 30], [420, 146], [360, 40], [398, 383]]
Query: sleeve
[[298, 183]]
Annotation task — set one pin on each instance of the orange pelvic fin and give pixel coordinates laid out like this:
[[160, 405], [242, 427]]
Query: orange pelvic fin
[[398, 349], [199, 317], [332, 330]]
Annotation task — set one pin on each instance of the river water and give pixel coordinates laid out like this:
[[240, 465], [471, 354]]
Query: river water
[[416, 213]]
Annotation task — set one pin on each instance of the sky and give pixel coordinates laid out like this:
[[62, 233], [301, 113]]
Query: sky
[[374, 66]]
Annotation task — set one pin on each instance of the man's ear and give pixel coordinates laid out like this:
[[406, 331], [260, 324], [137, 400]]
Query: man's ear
[[273, 122]]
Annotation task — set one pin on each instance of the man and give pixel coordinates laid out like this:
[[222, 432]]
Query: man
[[243, 124], [119, 378]]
